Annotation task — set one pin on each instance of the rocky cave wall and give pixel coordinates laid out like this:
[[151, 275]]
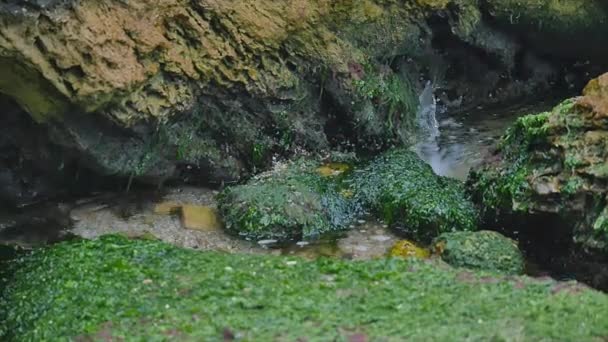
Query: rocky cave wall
[[209, 91]]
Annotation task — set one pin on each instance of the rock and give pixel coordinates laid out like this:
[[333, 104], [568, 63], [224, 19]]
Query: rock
[[209, 91], [549, 173], [333, 169], [202, 218], [32, 168], [293, 202], [483, 250], [561, 28], [408, 249], [404, 191]]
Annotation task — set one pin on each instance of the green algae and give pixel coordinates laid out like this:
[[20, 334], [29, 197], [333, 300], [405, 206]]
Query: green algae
[[522, 147], [403, 190], [295, 201], [483, 250], [392, 94], [114, 288]]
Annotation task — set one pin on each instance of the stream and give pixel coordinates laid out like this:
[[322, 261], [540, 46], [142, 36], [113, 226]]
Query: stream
[[454, 144]]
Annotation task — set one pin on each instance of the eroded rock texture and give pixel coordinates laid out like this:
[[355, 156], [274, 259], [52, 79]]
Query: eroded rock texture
[[547, 185], [209, 90]]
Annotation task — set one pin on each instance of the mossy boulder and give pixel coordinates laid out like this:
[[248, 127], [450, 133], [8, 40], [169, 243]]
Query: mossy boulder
[[482, 250], [113, 288], [551, 168], [296, 200], [403, 190]]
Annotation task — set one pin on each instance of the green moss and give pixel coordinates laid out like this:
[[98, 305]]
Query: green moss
[[392, 94], [483, 250], [113, 288], [573, 185], [292, 202], [600, 229], [523, 149], [406, 193]]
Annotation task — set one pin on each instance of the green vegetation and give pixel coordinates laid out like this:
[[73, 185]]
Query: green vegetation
[[304, 199], [511, 189], [393, 95], [483, 250], [405, 192], [294, 201], [525, 149], [552, 164], [147, 290]]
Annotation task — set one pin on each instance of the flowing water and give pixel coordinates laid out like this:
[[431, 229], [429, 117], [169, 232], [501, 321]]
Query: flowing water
[[451, 144]]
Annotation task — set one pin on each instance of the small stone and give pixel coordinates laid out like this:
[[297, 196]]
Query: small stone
[[380, 238], [361, 248], [200, 218], [408, 249], [333, 169], [361, 221], [302, 243], [267, 242]]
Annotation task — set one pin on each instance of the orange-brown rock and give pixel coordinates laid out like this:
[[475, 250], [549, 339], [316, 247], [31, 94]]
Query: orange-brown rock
[[207, 91]]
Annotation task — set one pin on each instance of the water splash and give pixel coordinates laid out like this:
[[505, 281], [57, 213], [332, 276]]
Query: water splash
[[427, 113]]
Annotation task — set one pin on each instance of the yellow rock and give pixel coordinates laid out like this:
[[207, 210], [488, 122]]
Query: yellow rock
[[201, 218], [167, 208], [333, 169], [408, 249]]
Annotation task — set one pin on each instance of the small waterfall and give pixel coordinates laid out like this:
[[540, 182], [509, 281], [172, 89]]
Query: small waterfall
[[428, 147], [427, 113]]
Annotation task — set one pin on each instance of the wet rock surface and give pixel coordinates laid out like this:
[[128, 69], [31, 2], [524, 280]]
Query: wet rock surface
[[547, 179], [208, 91]]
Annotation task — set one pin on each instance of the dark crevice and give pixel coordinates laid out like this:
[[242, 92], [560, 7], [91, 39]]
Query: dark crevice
[[548, 245]]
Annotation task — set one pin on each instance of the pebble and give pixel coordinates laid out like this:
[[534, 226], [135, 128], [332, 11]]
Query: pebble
[[361, 248], [267, 242], [361, 221], [380, 238]]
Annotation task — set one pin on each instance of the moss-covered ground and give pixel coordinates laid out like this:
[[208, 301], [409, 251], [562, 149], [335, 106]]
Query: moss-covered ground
[[121, 289]]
